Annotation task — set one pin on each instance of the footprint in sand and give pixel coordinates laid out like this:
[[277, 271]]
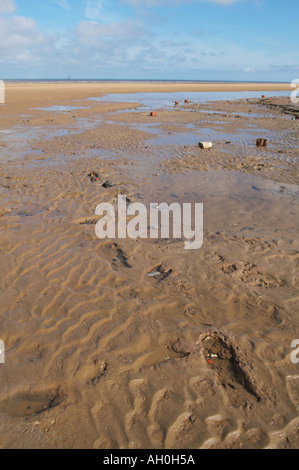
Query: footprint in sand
[[249, 273], [24, 404], [222, 357]]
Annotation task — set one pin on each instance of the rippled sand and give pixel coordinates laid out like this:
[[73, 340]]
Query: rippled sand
[[98, 353]]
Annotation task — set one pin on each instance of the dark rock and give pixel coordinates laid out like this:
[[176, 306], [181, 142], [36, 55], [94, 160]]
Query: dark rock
[[261, 142], [108, 184]]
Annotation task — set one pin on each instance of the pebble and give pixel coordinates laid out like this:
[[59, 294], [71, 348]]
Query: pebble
[[108, 184], [205, 145]]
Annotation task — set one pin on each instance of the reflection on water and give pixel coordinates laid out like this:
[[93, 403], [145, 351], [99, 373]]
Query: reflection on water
[[166, 100], [234, 202], [59, 109]]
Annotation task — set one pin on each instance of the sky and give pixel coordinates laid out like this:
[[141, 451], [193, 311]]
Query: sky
[[250, 40]]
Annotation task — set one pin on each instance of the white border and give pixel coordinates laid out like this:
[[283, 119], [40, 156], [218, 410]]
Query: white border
[[2, 352], [2, 92]]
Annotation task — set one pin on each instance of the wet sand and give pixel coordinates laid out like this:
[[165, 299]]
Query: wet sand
[[94, 345]]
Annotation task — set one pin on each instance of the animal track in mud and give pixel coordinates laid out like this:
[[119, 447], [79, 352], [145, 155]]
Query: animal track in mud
[[229, 269], [222, 357], [254, 243], [248, 273], [24, 404]]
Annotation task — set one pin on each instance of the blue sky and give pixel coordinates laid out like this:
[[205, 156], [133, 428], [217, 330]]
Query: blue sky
[[150, 39]]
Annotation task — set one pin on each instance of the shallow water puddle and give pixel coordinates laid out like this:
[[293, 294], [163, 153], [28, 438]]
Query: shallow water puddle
[[60, 109], [161, 100], [232, 201], [215, 134]]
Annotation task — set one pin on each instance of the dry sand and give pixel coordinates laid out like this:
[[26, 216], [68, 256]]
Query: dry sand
[[99, 354]]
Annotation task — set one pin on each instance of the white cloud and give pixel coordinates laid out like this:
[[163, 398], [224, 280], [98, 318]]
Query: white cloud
[[89, 32], [17, 33], [100, 10], [7, 6], [65, 4], [106, 45], [22, 42], [93, 9]]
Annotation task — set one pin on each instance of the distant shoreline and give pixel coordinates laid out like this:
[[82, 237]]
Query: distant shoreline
[[83, 80], [24, 92]]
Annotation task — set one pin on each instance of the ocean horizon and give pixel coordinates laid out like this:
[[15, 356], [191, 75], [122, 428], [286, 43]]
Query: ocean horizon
[[129, 80]]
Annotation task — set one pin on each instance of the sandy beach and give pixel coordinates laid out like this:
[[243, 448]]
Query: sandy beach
[[99, 352], [31, 92]]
